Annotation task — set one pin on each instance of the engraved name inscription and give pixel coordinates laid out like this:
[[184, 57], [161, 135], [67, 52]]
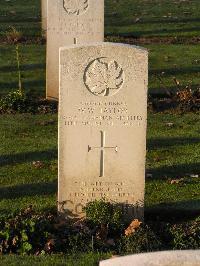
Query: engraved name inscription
[[103, 114]]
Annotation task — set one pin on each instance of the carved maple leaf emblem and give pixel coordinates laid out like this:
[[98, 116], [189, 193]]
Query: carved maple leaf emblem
[[104, 77], [75, 7]]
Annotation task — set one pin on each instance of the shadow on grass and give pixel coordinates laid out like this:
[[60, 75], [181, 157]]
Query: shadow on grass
[[154, 32], [22, 67], [174, 211], [159, 143], [163, 90], [28, 157], [180, 170], [24, 190], [32, 84], [118, 20], [19, 19], [174, 71], [37, 87]]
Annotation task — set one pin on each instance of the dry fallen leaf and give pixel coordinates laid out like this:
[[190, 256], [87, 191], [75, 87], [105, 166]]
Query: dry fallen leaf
[[176, 181], [137, 20], [15, 240], [135, 224], [49, 245], [177, 82], [169, 124], [12, 12], [38, 164], [184, 95], [194, 176], [28, 210]]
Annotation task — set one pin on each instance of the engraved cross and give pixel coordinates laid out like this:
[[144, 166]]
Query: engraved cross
[[102, 149]]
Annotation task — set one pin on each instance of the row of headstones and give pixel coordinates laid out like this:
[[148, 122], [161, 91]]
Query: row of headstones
[[102, 92]]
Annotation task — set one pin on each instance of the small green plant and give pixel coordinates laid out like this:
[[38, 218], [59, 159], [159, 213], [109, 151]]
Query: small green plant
[[101, 212], [142, 240], [13, 36], [25, 233], [29, 232], [186, 236], [14, 101], [18, 69]]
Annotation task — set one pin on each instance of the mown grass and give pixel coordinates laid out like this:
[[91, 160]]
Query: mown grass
[[25, 140], [32, 65], [166, 62], [141, 18], [172, 153], [75, 260], [161, 18], [24, 15]]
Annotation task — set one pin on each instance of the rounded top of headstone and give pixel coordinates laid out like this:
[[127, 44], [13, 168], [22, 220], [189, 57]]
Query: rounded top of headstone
[[164, 258], [105, 44]]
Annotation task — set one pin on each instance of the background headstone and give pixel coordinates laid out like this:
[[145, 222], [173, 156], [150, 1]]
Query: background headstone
[[70, 22], [44, 16], [165, 258], [102, 127]]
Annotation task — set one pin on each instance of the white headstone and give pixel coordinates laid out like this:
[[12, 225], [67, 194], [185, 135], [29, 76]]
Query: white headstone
[[70, 22], [44, 16], [102, 127], [165, 258]]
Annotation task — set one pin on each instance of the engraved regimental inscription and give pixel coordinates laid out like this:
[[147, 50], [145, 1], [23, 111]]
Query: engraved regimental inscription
[[104, 77], [75, 7]]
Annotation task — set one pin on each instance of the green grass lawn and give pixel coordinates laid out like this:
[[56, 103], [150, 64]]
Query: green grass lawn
[[172, 151], [32, 58], [150, 18], [181, 61], [166, 62], [138, 18], [76, 260], [24, 15]]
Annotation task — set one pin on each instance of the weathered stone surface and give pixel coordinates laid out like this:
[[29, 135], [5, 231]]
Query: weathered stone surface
[[102, 127], [70, 22], [165, 258], [44, 16]]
